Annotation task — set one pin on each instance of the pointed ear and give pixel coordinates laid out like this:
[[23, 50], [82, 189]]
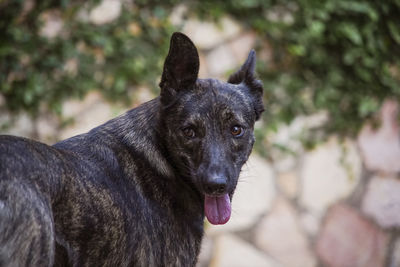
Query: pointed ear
[[246, 71], [181, 66], [246, 74]]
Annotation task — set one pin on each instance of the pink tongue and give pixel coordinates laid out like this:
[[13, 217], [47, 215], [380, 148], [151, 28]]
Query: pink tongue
[[217, 209]]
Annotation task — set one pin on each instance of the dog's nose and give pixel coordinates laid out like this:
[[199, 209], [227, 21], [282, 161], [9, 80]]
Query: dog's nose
[[215, 185]]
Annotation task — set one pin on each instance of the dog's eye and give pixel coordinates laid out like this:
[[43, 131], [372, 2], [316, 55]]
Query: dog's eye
[[237, 131], [189, 132]]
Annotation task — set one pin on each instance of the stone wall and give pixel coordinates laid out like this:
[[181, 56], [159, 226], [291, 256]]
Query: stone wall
[[337, 205]]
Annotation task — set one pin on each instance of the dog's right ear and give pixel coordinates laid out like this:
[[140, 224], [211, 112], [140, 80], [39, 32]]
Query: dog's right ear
[[181, 67]]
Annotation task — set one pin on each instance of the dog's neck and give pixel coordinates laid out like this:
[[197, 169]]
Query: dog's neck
[[140, 130]]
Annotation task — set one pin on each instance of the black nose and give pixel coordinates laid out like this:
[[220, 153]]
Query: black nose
[[215, 185]]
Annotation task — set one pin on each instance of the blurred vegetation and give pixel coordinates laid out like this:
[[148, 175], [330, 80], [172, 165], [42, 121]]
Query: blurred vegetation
[[339, 56], [110, 58]]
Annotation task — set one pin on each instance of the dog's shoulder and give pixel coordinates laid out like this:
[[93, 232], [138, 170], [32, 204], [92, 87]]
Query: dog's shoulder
[[22, 154]]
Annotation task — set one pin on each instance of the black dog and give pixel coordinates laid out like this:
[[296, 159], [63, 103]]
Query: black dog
[[133, 191]]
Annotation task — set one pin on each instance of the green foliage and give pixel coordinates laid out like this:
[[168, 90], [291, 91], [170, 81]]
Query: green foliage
[[340, 56], [335, 55], [114, 57]]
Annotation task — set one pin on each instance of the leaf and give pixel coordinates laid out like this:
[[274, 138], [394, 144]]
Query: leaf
[[394, 31], [367, 106], [297, 50], [316, 28], [350, 31], [360, 7]]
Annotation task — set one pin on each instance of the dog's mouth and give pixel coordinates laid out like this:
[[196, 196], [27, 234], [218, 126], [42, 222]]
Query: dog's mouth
[[217, 208]]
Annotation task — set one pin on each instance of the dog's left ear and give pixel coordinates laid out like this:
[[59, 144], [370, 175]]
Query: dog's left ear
[[246, 74], [181, 67]]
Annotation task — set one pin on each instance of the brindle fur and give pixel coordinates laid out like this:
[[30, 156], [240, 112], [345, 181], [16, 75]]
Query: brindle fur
[[129, 192]]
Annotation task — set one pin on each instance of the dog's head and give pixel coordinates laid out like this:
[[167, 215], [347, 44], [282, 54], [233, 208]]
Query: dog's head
[[208, 124]]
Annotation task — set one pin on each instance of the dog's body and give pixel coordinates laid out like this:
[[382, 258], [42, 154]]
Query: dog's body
[[134, 191]]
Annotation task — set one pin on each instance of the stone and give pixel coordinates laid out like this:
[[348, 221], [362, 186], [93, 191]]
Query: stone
[[283, 161], [253, 196], [287, 140], [47, 128], [234, 252], [203, 70], [395, 259], [83, 15], [87, 114], [289, 136], [141, 95], [382, 201], [206, 35], [74, 107], [221, 60], [310, 223], [52, 24], [106, 12], [280, 236], [381, 148], [206, 252], [280, 14], [27, 7], [197, 30], [266, 53], [19, 125], [288, 183], [349, 240], [242, 45], [329, 173], [71, 66], [230, 28], [178, 14]]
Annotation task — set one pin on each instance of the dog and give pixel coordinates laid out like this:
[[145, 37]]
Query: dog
[[134, 191]]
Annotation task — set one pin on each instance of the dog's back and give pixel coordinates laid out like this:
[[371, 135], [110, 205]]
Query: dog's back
[[29, 173]]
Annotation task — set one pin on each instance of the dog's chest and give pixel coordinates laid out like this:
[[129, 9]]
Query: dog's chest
[[167, 238], [168, 246], [127, 231]]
